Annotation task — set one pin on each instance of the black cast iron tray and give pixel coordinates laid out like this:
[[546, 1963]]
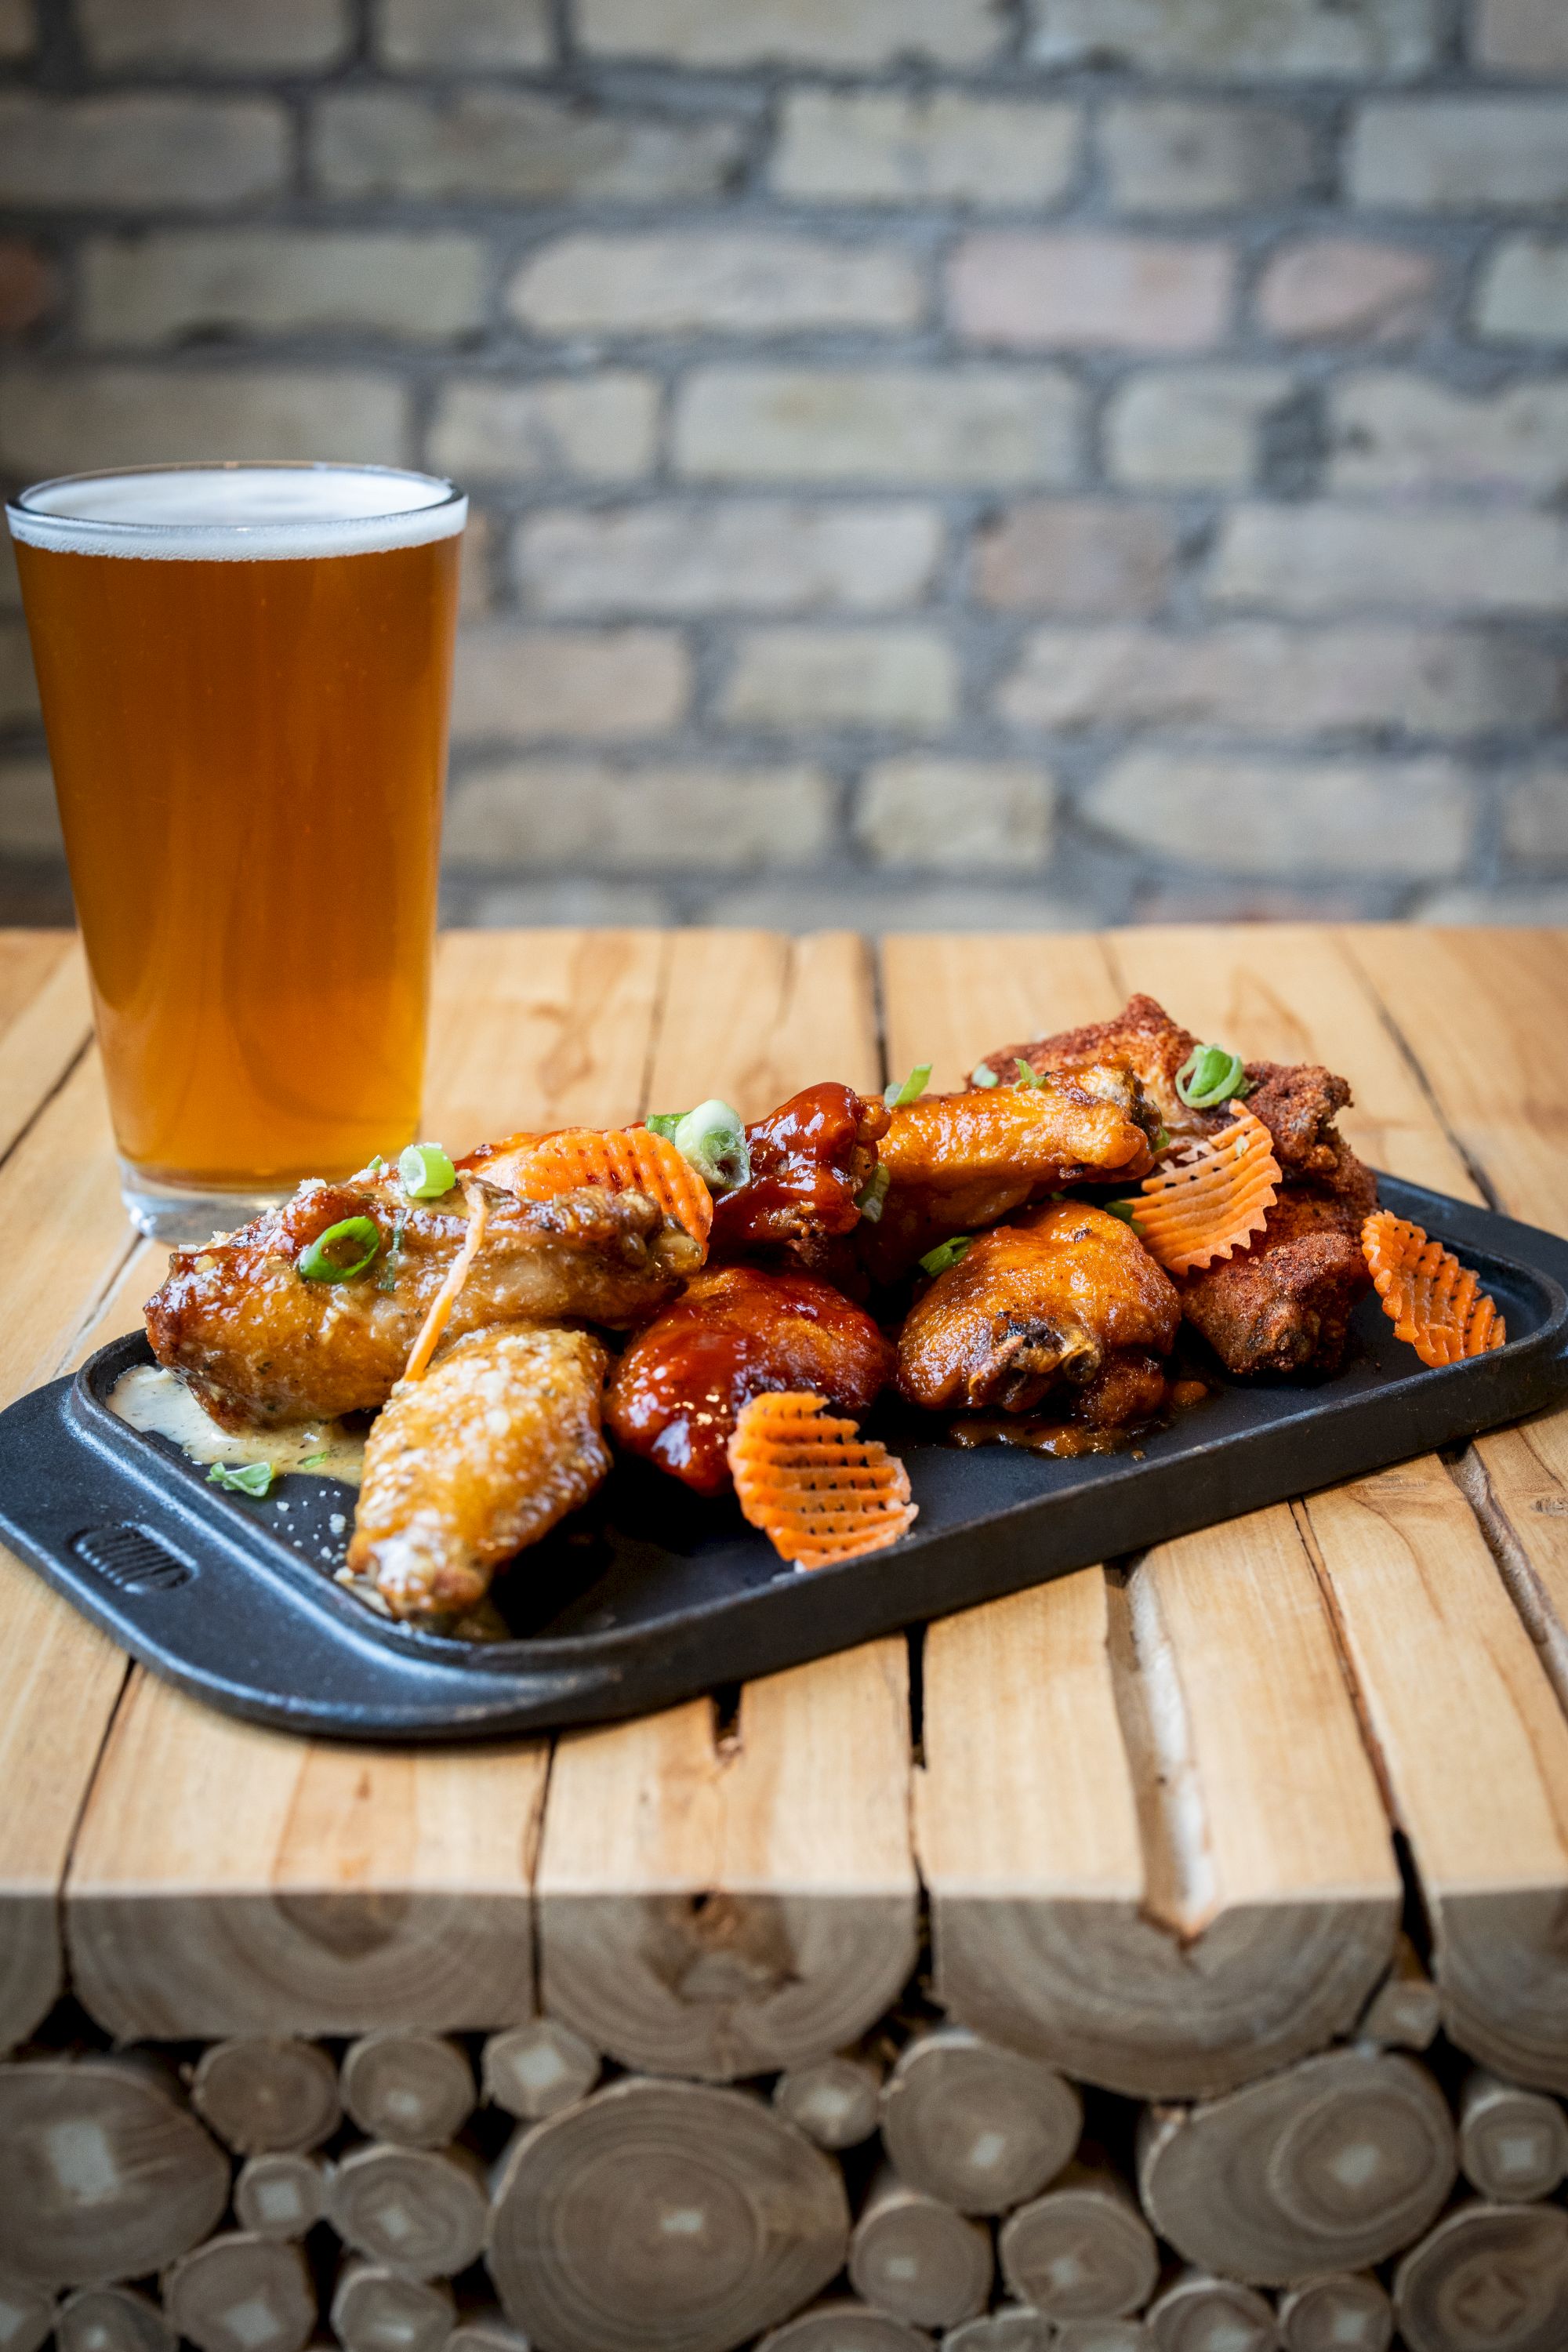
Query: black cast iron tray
[[652, 1595]]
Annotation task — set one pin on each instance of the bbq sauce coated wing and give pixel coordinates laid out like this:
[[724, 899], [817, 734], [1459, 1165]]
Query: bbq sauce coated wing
[[737, 1330], [957, 1162], [811, 1159], [258, 1343], [497, 1442], [1068, 1299]]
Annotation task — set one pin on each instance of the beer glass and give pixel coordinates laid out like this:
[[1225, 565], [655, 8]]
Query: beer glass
[[244, 672]]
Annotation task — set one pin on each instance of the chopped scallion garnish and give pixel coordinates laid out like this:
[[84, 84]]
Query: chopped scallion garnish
[[1123, 1209], [899, 1095], [311, 1461], [425, 1171], [342, 1251], [1211, 1076], [664, 1122], [982, 1075], [247, 1478], [870, 1200], [1029, 1076], [946, 1254], [712, 1139]]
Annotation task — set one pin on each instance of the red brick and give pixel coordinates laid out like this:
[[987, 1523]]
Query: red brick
[[1331, 286]]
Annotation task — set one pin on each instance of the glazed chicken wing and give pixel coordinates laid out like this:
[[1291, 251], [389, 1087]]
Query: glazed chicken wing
[[1067, 1300], [810, 1159], [956, 1162], [480, 1457], [736, 1331], [258, 1342]]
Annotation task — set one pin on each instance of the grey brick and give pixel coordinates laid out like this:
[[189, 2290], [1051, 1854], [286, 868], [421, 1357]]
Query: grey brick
[[464, 36], [732, 281], [1087, 289], [1185, 156], [1522, 36], [1327, 558], [1330, 286], [903, 678], [1536, 818], [1269, 678], [1077, 557], [139, 151], [512, 143], [198, 36], [966, 425], [1452, 155], [165, 286], [16, 28], [1178, 428], [1393, 432], [579, 902], [1522, 296], [19, 690], [535, 685], [52, 422], [1542, 907], [1406, 820], [29, 816], [889, 147], [1291, 39], [751, 555], [601, 427], [578, 812], [801, 32], [956, 816]]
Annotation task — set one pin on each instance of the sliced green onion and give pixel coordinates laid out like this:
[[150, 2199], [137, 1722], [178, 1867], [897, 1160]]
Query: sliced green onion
[[712, 1139], [946, 1254], [342, 1251], [1161, 1138], [1123, 1209], [1209, 1077], [870, 1200], [898, 1097], [310, 1461], [664, 1122], [251, 1479], [375, 1165], [425, 1171], [981, 1076], [1029, 1076], [387, 1278]]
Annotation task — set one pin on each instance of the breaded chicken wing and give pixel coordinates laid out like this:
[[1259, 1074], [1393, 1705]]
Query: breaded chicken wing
[[1284, 1304], [810, 1161], [259, 1342], [480, 1457], [1067, 1300], [738, 1331], [958, 1162]]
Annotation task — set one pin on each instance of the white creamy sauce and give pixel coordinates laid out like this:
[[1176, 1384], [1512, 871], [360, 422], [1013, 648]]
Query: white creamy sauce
[[152, 1398]]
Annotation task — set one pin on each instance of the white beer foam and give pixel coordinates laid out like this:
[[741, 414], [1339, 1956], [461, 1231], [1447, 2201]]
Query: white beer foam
[[238, 513]]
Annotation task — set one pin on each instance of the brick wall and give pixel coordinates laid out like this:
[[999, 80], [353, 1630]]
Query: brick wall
[[933, 460]]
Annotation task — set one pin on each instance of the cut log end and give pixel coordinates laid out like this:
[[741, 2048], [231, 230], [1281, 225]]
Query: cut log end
[[1513, 2144], [282, 2196], [240, 2293], [1486, 2275], [1082, 2251], [1406, 2009], [109, 2319], [423, 2210], [375, 2309], [486, 2330], [1343, 2313], [845, 2325], [267, 2093], [978, 2126], [1199, 2314], [834, 2102], [917, 2258], [27, 2318], [535, 2070], [1103, 2335], [1011, 2328], [416, 2089]]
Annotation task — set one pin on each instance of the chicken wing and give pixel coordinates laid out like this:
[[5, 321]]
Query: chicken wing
[[498, 1441], [810, 1161], [1067, 1300], [957, 1162], [737, 1330], [257, 1342]]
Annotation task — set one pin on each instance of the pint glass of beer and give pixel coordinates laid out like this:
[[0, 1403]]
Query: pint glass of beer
[[244, 673]]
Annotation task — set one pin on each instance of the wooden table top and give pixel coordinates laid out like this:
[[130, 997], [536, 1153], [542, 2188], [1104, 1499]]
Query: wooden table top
[[1152, 1810]]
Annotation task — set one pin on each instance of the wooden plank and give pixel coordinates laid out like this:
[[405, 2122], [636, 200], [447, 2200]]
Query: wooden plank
[[1155, 1847], [722, 1902], [1472, 1747], [229, 1880], [45, 1021]]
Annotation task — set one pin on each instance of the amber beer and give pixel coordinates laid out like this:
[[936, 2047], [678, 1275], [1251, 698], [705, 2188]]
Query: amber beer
[[244, 673]]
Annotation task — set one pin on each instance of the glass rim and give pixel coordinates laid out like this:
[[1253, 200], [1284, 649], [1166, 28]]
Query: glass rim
[[39, 517]]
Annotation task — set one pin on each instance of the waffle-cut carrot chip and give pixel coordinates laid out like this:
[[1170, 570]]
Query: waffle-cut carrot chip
[[1212, 1198], [622, 1159], [1429, 1296], [818, 1490]]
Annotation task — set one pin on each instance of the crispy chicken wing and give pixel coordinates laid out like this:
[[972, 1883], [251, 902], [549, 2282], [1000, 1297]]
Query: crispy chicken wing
[[1066, 1299], [736, 1331], [257, 1342], [957, 1162], [498, 1441], [811, 1159]]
